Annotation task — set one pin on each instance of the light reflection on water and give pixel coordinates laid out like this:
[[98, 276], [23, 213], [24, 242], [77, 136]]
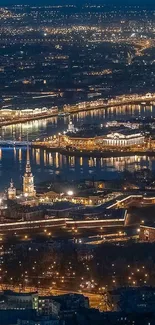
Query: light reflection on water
[[47, 127], [46, 165]]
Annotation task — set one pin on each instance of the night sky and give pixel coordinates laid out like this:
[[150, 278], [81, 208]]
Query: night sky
[[116, 2]]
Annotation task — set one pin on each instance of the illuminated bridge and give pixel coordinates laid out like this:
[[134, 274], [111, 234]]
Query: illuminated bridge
[[14, 143]]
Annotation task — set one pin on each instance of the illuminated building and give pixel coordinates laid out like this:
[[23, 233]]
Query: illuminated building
[[124, 139], [21, 300], [11, 191], [121, 138], [147, 232], [77, 142], [28, 179]]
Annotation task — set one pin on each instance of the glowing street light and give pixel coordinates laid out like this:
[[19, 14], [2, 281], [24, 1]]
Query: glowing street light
[[70, 193]]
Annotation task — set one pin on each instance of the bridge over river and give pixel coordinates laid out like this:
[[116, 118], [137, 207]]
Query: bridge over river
[[14, 143]]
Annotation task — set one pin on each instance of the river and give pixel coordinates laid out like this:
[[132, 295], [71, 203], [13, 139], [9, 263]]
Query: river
[[46, 165]]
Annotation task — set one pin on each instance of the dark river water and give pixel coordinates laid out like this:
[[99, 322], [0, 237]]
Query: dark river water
[[46, 165]]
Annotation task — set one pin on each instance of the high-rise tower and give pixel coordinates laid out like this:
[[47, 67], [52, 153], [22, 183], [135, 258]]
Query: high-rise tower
[[28, 178], [11, 191]]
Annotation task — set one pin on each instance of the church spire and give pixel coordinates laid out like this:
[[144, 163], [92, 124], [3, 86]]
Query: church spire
[[28, 166], [28, 154], [28, 179]]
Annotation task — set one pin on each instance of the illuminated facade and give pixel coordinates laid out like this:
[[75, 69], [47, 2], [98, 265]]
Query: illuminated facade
[[28, 179], [117, 139], [11, 191], [77, 142], [147, 232], [124, 140]]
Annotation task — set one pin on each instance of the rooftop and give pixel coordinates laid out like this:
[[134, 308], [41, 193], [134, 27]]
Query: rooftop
[[150, 224], [96, 131], [13, 293], [133, 290], [63, 205], [99, 212]]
